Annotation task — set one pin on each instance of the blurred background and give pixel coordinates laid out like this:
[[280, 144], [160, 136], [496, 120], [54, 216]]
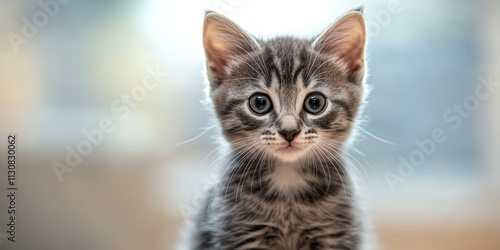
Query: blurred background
[[68, 67]]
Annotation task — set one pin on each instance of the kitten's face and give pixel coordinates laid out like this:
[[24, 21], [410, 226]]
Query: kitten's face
[[286, 98]]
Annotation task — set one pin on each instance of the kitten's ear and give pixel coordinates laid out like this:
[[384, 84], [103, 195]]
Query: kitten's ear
[[345, 39], [224, 40]]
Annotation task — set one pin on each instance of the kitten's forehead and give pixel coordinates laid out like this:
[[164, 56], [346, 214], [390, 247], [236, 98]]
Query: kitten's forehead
[[284, 61], [286, 57], [291, 64], [279, 60]]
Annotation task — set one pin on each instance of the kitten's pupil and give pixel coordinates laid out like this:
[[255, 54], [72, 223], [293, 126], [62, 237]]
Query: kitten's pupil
[[314, 102], [260, 102]]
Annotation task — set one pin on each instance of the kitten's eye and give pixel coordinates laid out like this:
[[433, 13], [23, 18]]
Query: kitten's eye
[[260, 104], [314, 103]]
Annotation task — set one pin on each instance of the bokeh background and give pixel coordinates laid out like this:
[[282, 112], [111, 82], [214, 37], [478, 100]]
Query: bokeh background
[[67, 65]]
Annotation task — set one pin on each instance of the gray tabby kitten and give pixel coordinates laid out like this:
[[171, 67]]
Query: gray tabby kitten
[[287, 107]]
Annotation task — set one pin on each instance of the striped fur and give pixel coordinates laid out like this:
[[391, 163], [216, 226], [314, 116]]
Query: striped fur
[[273, 193]]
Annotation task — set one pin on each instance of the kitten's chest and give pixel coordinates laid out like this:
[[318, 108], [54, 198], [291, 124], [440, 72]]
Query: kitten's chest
[[293, 226], [287, 209], [291, 200]]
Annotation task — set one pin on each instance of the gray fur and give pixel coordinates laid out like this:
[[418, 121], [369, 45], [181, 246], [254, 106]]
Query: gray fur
[[295, 200]]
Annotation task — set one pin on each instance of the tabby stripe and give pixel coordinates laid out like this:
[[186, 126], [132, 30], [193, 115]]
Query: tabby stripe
[[244, 242], [326, 119], [230, 105], [269, 72], [287, 66], [344, 105], [333, 235], [303, 60], [272, 66], [249, 123], [297, 72]]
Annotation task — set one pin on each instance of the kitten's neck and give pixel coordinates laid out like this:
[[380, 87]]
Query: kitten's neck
[[287, 177], [306, 180]]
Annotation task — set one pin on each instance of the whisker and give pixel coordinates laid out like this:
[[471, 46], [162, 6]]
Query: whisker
[[219, 147], [237, 166], [232, 159], [335, 147], [247, 167], [338, 173], [334, 143], [329, 178], [198, 136], [377, 138], [265, 154], [347, 169]]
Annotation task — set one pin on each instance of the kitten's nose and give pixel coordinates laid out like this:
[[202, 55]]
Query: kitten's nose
[[289, 134]]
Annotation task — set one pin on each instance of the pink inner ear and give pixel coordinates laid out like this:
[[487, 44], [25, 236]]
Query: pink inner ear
[[354, 56], [224, 40], [216, 62], [349, 50], [345, 40], [229, 47]]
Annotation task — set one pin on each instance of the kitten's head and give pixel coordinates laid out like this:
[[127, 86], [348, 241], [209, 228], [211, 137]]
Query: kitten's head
[[286, 98]]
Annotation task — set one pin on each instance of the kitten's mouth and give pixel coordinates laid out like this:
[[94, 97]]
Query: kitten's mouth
[[289, 148], [289, 151]]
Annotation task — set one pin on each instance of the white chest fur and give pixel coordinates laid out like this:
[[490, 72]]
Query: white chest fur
[[287, 177]]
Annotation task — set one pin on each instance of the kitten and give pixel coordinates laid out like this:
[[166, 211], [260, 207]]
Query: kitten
[[287, 107]]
